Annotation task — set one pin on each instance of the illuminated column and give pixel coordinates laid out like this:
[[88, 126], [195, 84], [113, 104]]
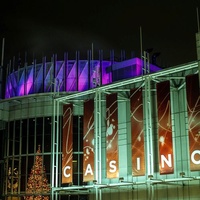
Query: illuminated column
[[148, 126], [98, 163]]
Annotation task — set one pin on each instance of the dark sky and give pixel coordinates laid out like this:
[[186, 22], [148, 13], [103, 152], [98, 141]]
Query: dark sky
[[48, 27]]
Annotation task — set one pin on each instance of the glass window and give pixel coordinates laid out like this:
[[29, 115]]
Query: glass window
[[24, 136], [78, 150], [47, 134], [17, 134], [10, 139]]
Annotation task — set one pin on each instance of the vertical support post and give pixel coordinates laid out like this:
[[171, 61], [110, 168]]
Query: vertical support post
[[57, 142], [112, 59], [96, 144], [13, 160], [89, 68], [44, 73], [25, 78], [55, 66], [100, 68], [141, 42], [148, 131], [79, 139], [146, 67], [148, 117], [20, 151], [53, 150], [100, 142], [54, 146], [98, 169], [77, 70], [34, 78], [65, 71], [6, 155], [2, 52], [197, 19]]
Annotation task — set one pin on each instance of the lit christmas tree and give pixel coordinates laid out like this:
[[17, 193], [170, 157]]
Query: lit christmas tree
[[37, 185]]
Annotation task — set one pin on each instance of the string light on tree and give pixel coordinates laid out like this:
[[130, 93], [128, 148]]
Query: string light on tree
[[37, 185]]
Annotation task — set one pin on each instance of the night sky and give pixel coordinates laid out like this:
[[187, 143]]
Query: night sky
[[43, 28]]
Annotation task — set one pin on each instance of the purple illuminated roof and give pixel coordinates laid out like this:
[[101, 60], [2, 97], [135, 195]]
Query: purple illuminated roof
[[71, 75]]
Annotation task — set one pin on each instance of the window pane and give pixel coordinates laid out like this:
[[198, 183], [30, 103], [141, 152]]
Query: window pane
[[17, 137]]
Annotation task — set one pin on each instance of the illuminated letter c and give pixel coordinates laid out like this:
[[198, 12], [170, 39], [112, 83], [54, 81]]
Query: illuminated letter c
[[64, 171]]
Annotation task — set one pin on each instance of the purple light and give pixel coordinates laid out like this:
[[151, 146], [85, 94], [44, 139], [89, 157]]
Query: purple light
[[71, 79], [29, 82], [23, 82], [106, 76], [21, 90], [83, 77], [138, 63]]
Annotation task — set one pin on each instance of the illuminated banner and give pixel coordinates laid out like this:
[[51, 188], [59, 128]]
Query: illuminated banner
[[137, 132], [165, 128], [88, 141], [112, 136], [193, 104], [67, 143]]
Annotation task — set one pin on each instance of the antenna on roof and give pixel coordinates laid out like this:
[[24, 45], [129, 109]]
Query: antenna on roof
[[2, 52], [1, 69], [141, 43], [197, 19], [198, 45]]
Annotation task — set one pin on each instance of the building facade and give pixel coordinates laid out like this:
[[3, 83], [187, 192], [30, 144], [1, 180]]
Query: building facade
[[100, 129]]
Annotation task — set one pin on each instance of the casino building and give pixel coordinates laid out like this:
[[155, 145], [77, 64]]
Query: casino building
[[100, 129]]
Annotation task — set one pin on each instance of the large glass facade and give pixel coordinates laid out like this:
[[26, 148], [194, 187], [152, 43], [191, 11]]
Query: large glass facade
[[31, 135], [23, 138]]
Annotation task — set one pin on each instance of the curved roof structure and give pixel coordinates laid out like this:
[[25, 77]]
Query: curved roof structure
[[71, 75]]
